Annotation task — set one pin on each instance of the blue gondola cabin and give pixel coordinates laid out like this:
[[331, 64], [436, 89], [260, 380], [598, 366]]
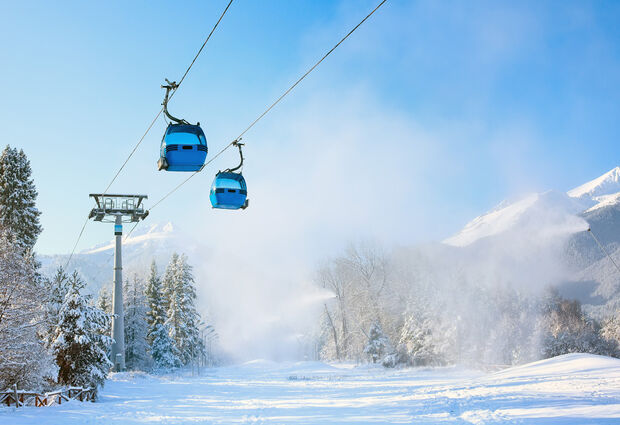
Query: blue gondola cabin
[[229, 191], [183, 148]]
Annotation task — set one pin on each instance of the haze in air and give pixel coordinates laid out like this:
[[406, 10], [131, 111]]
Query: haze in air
[[374, 211]]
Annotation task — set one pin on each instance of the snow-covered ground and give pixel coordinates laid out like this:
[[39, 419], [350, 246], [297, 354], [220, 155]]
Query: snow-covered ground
[[571, 389]]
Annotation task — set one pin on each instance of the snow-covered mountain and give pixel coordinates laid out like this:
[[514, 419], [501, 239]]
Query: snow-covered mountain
[[561, 218], [149, 242], [601, 193], [605, 185], [538, 209]]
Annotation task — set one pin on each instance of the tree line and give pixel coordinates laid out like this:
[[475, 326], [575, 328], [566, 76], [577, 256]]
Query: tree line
[[53, 333], [162, 325], [410, 307]]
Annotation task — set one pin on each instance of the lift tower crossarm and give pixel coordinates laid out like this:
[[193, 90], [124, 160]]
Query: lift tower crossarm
[[109, 206]]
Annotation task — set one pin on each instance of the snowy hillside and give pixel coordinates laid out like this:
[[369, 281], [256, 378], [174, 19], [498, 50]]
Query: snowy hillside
[[542, 210], [555, 221], [571, 389], [607, 184]]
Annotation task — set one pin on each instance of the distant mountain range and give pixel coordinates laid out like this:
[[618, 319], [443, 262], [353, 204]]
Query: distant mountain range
[[155, 242]]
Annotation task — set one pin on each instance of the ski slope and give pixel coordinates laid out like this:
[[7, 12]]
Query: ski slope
[[570, 389]]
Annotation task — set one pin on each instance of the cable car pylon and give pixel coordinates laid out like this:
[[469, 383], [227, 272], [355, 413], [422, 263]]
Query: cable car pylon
[[118, 209]]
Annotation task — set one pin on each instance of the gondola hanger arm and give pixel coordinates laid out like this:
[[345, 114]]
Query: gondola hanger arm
[[238, 144], [171, 86]]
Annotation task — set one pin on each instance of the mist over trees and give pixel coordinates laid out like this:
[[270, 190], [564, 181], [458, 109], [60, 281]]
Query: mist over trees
[[421, 306], [414, 307]]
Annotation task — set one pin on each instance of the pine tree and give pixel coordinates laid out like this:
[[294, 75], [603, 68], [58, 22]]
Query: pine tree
[[161, 347], [377, 343], [80, 343], [426, 339], [104, 300], [135, 325], [183, 319], [56, 289], [18, 212]]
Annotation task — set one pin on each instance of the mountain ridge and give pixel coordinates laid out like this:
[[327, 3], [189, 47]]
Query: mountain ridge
[[601, 192]]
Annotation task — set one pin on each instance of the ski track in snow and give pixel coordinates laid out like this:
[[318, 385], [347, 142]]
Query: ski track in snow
[[570, 389]]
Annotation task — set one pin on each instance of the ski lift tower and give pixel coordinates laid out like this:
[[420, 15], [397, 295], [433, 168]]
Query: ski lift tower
[[118, 209]]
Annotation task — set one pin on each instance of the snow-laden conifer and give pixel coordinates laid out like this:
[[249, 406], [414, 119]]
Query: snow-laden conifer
[[81, 343], [378, 343], [56, 288], [161, 347], [18, 211], [182, 318], [136, 356]]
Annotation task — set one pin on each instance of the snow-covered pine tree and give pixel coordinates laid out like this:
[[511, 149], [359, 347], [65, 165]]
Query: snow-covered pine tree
[[183, 319], [81, 343], [161, 347], [56, 289], [426, 338], [377, 343], [24, 359], [136, 356], [104, 303], [104, 300], [18, 212]]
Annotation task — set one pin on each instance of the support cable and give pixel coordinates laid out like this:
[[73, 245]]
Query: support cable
[[603, 249], [152, 123], [76, 243], [171, 95], [269, 108]]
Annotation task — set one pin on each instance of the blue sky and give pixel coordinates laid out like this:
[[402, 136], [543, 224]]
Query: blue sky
[[429, 115]]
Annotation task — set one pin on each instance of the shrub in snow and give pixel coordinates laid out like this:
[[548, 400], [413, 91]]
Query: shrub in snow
[[80, 340], [391, 360]]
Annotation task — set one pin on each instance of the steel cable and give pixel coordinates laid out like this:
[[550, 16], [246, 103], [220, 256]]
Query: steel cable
[[151, 125], [269, 108]]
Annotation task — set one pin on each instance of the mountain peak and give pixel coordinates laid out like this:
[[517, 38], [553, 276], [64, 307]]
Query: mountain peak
[[607, 184]]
